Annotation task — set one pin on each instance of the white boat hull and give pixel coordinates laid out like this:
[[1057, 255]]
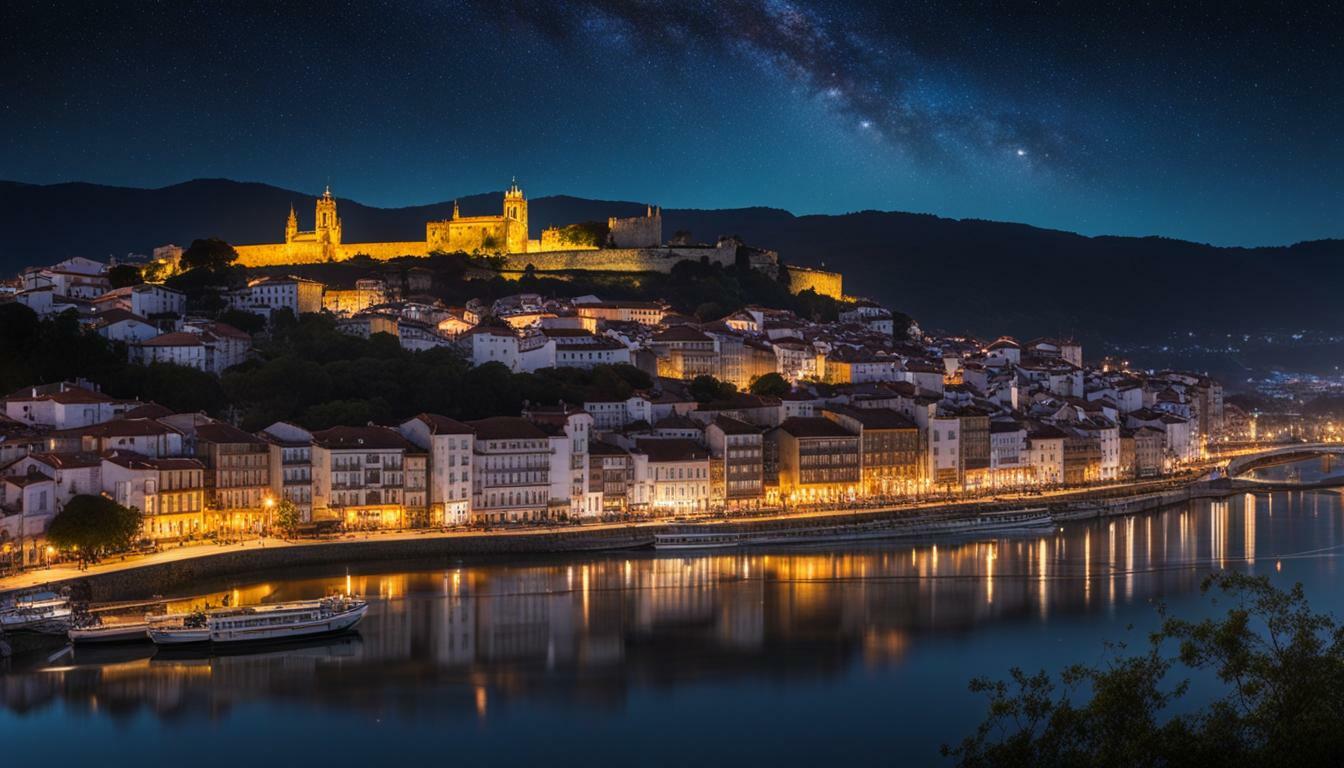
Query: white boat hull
[[1021, 523], [120, 633]]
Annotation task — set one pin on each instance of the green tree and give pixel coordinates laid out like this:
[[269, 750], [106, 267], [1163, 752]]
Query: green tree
[[210, 253], [246, 322], [124, 275], [94, 525], [287, 517], [707, 389], [770, 385], [1279, 664]]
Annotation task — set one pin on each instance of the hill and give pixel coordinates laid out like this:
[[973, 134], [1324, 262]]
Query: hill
[[978, 276]]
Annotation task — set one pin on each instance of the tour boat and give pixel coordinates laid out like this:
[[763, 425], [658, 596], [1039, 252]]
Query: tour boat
[[714, 536], [44, 612], [262, 623]]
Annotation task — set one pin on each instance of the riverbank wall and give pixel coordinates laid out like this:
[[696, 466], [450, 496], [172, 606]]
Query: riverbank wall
[[165, 578]]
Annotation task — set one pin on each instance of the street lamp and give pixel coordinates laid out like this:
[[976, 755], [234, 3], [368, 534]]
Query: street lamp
[[269, 504]]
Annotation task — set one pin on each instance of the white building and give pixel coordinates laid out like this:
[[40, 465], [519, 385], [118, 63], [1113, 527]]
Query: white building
[[510, 468], [679, 472], [449, 444]]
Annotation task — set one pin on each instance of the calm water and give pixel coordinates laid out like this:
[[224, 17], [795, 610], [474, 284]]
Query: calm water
[[790, 657]]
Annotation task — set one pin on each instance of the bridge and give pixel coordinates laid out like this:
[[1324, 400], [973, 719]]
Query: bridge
[[1282, 455]]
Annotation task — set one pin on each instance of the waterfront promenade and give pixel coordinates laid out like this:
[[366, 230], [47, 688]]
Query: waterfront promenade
[[210, 559]]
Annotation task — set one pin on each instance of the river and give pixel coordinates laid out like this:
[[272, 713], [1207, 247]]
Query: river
[[787, 657]]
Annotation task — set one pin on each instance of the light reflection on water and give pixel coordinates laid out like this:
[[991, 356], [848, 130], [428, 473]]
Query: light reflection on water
[[872, 644]]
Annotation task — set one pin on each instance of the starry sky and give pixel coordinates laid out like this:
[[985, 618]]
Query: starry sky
[[1217, 122]]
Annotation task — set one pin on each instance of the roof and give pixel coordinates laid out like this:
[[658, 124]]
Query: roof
[[67, 460], [680, 333], [119, 428], [876, 418], [346, 438], [118, 315], [174, 339], [148, 411], [731, 426], [813, 426], [219, 432], [506, 428], [671, 449], [67, 395], [33, 476], [442, 425]]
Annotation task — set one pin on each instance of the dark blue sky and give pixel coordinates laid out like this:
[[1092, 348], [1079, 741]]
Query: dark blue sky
[[1215, 122]]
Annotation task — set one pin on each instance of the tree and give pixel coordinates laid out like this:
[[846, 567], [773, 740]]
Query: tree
[[1280, 665], [246, 322], [124, 275], [707, 389], [211, 253], [94, 524], [287, 517], [770, 385]]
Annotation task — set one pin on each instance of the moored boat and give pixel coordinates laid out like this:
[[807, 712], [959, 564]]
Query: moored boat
[[717, 536], [123, 632], [43, 612], [262, 623]]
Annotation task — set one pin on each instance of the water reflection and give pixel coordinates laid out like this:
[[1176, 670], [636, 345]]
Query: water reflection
[[588, 632]]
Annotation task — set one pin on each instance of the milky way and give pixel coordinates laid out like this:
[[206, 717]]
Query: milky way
[[1211, 121]]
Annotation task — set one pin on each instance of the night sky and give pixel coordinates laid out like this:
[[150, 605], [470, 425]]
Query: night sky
[[1209, 121]]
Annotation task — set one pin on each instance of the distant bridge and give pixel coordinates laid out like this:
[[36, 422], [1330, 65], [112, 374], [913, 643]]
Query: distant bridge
[[1282, 455]]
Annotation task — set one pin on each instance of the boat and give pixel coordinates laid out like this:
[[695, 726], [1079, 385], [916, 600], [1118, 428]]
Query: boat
[[44, 612], [97, 631], [262, 623], [715, 536]]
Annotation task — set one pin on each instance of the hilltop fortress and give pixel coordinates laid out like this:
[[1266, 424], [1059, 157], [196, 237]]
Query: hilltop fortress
[[633, 244]]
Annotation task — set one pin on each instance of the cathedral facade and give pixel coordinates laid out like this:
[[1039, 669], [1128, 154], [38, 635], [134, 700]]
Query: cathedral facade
[[502, 234]]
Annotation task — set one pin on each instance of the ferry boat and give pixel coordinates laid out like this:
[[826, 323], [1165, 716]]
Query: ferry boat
[[262, 623], [44, 612], [713, 536]]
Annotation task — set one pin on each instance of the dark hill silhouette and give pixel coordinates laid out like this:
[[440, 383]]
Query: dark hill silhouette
[[979, 276]]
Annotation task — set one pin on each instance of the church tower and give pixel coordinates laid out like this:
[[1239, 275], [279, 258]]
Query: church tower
[[328, 229], [515, 219], [291, 226]]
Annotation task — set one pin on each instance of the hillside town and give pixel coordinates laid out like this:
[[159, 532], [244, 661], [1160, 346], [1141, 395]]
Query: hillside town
[[759, 410]]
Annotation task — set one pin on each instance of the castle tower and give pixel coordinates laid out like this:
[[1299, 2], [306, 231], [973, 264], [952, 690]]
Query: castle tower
[[328, 229], [515, 219], [291, 226]]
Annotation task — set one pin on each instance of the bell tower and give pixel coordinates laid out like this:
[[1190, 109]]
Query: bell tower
[[515, 219], [291, 226], [328, 229]]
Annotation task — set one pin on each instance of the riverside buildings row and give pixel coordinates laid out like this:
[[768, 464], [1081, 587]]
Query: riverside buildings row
[[870, 414]]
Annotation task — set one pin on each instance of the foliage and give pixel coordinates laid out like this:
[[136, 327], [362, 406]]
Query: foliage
[[41, 351], [124, 275], [246, 322], [287, 517], [310, 373], [770, 385], [94, 524], [584, 234], [707, 389], [210, 253], [1281, 671]]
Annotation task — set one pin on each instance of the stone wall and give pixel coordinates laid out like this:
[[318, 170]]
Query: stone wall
[[619, 259], [282, 254], [823, 282]]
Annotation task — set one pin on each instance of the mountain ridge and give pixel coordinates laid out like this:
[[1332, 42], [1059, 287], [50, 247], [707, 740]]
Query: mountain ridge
[[976, 275]]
